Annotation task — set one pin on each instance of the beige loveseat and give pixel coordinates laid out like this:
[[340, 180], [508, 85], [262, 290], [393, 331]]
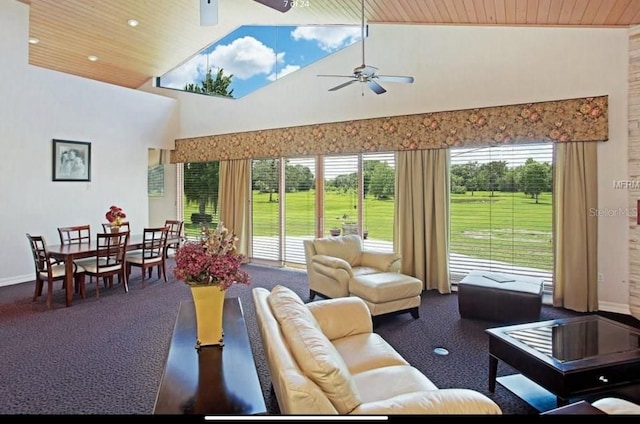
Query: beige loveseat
[[324, 359]]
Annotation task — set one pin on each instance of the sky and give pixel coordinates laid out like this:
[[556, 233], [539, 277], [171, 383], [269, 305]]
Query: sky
[[258, 55]]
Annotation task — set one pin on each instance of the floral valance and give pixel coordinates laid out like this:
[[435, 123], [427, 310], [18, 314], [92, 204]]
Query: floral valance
[[583, 119]]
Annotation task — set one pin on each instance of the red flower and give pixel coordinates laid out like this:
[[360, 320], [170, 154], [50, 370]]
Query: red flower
[[115, 215]]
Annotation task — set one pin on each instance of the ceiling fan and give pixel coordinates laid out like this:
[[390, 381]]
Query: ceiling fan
[[366, 73]]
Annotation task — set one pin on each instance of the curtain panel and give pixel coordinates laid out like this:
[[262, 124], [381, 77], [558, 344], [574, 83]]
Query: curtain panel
[[575, 191], [561, 121]]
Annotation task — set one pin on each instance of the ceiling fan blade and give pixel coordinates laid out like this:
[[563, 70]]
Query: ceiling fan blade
[[331, 75], [344, 84], [377, 88], [394, 78]]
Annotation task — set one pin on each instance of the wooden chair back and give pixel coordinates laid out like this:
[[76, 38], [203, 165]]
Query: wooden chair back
[[110, 259], [152, 253], [41, 258], [75, 234], [174, 234], [48, 269], [154, 242]]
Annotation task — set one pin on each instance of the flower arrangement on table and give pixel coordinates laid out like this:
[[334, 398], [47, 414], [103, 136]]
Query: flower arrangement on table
[[213, 260], [115, 215]]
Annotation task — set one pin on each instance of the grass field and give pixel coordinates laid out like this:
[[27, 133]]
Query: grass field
[[515, 229]]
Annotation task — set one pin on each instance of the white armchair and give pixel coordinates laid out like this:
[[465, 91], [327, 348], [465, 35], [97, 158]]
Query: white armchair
[[333, 261]]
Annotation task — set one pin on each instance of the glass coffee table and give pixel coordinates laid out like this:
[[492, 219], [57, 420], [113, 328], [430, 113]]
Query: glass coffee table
[[569, 357]]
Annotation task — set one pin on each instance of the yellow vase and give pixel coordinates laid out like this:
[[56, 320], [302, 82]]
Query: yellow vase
[[115, 229], [208, 302]]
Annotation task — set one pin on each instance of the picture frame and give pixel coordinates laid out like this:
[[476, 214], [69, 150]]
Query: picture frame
[[71, 160]]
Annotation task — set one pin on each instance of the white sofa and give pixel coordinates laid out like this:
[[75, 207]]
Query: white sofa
[[324, 358]]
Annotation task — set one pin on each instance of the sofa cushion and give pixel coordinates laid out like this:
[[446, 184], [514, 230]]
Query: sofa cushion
[[379, 352], [347, 247], [386, 382], [312, 350]]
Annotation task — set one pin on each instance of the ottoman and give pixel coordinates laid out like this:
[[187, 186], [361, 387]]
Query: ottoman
[[500, 297], [388, 292]]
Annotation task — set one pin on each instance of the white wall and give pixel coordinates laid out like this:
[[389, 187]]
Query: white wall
[[38, 105], [457, 68]]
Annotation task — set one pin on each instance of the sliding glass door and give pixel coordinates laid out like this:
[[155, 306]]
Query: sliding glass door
[[501, 210]]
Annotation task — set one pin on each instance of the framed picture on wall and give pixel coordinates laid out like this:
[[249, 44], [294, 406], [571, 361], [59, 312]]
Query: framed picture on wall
[[71, 160]]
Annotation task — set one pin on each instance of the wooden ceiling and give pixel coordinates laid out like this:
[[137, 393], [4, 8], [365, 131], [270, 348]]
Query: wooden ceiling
[[170, 33]]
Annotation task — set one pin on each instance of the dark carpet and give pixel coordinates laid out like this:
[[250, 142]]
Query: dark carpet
[[107, 355]]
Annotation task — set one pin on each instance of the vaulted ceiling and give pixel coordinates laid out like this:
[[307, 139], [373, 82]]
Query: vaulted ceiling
[[169, 31]]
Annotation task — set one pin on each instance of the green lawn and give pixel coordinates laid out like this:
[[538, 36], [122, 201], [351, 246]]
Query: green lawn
[[514, 219]]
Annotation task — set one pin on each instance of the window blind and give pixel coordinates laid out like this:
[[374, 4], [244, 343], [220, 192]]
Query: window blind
[[501, 210]]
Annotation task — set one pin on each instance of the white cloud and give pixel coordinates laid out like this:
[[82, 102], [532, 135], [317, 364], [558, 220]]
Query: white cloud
[[245, 57], [284, 71], [329, 38], [192, 71]]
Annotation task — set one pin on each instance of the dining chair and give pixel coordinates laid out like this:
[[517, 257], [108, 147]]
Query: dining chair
[[75, 234], [106, 226], [174, 234], [49, 269], [151, 255], [109, 260]]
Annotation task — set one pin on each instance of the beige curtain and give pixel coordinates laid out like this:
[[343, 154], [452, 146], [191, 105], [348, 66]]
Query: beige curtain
[[421, 224], [575, 190], [233, 199]]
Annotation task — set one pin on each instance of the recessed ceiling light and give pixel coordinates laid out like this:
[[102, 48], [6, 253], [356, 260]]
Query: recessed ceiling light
[[132, 23], [33, 40], [92, 58]]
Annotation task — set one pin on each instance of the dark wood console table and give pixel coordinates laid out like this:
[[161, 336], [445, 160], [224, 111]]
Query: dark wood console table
[[214, 380]]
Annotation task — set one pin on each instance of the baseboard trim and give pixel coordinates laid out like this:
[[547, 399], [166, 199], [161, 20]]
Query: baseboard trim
[[16, 280]]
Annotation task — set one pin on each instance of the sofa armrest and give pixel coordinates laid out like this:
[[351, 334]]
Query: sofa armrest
[[616, 406], [335, 268], [385, 261], [440, 401], [341, 317]]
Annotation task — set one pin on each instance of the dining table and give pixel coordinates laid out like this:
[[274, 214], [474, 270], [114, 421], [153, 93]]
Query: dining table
[[70, 252]]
